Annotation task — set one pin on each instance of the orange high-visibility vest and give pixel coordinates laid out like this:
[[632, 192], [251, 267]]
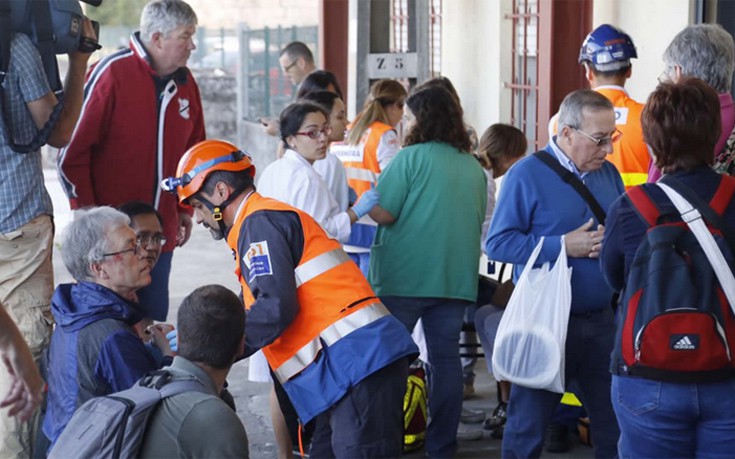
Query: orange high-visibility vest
[[630, 155], [361, 160], [334, 297]]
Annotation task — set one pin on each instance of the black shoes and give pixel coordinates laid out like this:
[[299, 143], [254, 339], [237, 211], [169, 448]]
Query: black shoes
[[556, 439], [496, 421]]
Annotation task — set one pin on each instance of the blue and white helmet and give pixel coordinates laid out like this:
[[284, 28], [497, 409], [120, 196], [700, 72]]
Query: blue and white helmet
[[607, 48]]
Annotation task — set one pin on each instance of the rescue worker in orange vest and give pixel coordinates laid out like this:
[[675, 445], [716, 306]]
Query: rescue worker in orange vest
[[606, 55], [341, 357], [371, 143]]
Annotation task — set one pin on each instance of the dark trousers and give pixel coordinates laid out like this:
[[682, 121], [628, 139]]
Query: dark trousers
[[368, 421]]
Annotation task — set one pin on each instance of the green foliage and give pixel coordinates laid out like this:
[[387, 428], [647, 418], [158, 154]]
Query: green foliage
[[117, 12]]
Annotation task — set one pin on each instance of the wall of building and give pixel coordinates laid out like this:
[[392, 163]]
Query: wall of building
[[476, 57], [255, 13], [476, 48], [651, 24]]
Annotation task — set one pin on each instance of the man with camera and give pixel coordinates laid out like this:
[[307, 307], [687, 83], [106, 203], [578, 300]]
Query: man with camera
[[26, 227], [141, 112]]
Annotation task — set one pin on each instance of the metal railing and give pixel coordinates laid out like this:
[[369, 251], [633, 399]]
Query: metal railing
[[264, 90]]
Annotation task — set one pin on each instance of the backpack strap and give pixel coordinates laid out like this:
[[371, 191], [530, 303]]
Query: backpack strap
[[643, 205], [162, 380], [6, 37], [721, 199], [579, 186], [723, 195]]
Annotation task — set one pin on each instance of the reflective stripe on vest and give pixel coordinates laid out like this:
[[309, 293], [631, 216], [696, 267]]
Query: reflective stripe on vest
[[319, 265], [366, 175], [633, 178], [330, 335]]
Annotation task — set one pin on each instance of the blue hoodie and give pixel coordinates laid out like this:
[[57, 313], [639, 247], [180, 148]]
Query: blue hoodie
[[94, 350]]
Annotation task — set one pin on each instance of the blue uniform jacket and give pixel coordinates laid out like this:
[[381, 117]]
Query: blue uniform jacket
[[339, 367]]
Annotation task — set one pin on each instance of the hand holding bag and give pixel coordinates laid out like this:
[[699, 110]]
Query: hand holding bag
[[529, 346]]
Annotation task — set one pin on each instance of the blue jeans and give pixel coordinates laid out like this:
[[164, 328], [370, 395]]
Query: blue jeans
[[154, 297], [587, 360], [442, 320], [672, 420], [487, 320]]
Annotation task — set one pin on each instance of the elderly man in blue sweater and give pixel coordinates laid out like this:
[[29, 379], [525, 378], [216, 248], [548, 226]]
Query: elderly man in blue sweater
[[536, 202]]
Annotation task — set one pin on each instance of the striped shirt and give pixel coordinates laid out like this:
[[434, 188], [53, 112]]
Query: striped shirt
[[23, 195]]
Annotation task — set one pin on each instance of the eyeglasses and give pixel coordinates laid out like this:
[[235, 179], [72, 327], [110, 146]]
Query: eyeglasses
[[133, 249], [326, 130], [144, 240], [603, 141], [288, 67]]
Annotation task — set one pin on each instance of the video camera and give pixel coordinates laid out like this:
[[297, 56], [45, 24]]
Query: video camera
[[54, 26]]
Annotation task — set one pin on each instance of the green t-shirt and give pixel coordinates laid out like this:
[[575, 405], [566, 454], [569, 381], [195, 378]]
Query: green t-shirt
[[438, 196]]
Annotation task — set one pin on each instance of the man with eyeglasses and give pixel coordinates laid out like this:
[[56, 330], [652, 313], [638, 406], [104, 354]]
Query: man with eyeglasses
[[94, 348], [148, 226], [296, 61], [534, 202]]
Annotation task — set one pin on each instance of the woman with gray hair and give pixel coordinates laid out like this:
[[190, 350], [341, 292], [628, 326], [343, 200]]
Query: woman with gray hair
[[94, 348], [707, 52]]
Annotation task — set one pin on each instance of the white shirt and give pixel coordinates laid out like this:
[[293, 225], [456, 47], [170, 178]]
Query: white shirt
[[387, 148], [294, 181], [491, 187], [333, 172], [565, 160]]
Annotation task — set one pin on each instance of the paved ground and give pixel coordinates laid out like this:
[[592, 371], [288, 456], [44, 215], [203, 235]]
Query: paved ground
[[205, 261]]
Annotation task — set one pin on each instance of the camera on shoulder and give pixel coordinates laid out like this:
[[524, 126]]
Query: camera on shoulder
[[57, 20]]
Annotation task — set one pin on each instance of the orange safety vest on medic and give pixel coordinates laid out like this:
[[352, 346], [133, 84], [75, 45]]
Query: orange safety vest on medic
[[630, 155], [361, 160], [334, 297]]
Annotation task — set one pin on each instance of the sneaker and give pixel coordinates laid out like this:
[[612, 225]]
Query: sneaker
[[469, 434], [468, 391], [556, 439], [471, 416], [497, 418]]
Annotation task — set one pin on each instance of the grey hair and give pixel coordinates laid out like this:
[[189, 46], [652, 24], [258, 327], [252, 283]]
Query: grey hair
[[84, 241], [572, 108], [164, 16], [704, 51]]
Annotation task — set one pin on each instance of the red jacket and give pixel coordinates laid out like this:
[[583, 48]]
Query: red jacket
[[133, 129]]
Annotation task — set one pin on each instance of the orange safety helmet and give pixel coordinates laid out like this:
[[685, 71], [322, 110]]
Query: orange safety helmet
[[201, 160]]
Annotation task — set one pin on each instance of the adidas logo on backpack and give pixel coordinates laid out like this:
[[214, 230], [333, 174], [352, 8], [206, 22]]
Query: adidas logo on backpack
[[675, 321], [684, 343]]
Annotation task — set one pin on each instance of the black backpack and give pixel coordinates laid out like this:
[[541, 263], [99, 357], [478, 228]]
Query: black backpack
[[113, 426], [676, 323]]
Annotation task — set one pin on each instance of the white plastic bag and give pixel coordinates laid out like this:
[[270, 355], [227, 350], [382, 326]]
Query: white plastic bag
[[529, 346]]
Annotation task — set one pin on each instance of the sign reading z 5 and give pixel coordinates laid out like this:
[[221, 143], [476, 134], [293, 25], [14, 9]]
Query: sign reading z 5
[[383, 63]]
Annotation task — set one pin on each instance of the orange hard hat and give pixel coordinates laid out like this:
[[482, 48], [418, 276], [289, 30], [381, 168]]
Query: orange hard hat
[[201, 160]]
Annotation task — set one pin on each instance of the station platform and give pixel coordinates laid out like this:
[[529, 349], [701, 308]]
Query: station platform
[[205, 261]]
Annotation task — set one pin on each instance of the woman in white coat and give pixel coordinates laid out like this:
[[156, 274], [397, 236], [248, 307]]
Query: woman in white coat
[[305, 130]]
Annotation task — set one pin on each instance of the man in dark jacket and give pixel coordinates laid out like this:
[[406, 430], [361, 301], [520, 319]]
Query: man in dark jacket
[[94, 349]]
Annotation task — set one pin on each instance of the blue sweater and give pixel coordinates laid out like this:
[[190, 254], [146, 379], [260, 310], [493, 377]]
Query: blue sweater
[[535, 202]]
